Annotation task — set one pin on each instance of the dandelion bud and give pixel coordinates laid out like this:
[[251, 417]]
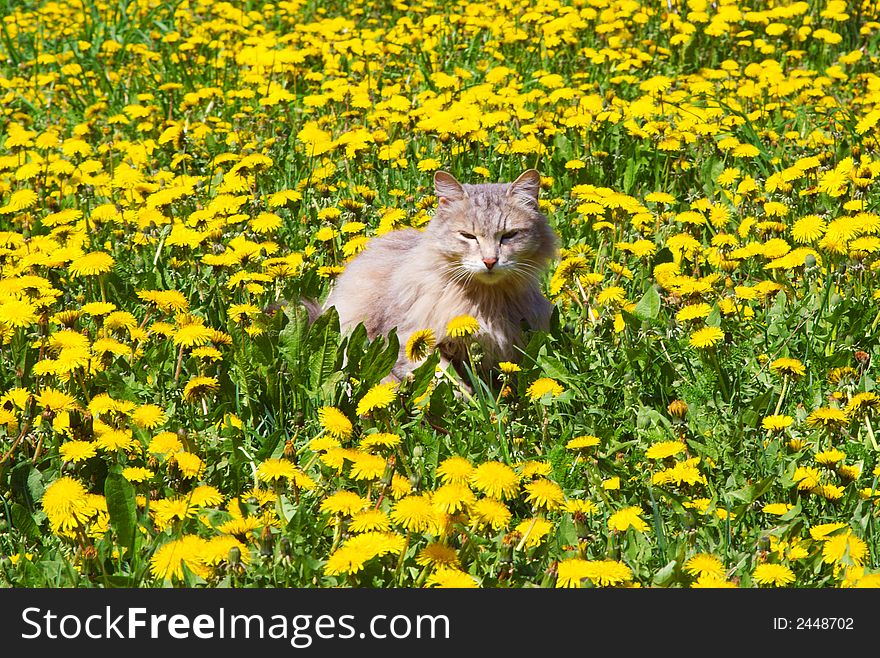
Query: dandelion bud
[[809, 260], [549, 579], [234, 556], [505, 555], [388, 475], [677, 408], [580, 525], [266, 542]]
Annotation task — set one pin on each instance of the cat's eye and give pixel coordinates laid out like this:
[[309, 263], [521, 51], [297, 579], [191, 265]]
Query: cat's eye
[[508, 235], [468, 236]]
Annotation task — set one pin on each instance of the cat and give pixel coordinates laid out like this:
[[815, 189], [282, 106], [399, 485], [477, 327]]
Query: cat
[[481, 254]]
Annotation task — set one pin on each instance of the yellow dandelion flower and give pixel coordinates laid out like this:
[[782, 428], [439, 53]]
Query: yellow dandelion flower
[[532, 468], [611, 295], [827, 417], [452, 498], [379, 440], [706, 337], [365, 466], [844, 548], [712, 582], [96, 262], [544, 494], [664, 449], [335, 423], [17, 313], [137, 473], [420, 344], [359, 549], [274, 469], [693, 312], [115, 439], [437, 554], [148, 416], [369, 520], [462, 325], [189, 464], [777, 509], [806, 477], [490, 512], [822, 531], [582, 442], [829, 457], [534, 531], [77, 451], [168, 560], [66, 505], [55, 400], [544, 386], [451, 578], [786, 366], [343, 502], [454, 470], [414, 513], [776, 423], [629, 517], [705, 564], [495, 479], [192, 335], [773, 574], [378, 397], [164, 443], [200, 387]]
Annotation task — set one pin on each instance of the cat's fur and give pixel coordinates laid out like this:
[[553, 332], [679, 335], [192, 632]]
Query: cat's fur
[[414, 280]]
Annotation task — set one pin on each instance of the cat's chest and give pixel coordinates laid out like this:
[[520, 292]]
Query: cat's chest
[[500, 326], [499, 314]]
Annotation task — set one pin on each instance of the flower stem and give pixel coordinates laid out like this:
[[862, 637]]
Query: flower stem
[[179, 365], [525, 536], [398, 572], [871, 433], [781, 395]]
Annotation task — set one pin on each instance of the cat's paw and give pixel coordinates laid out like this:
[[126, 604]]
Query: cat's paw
[[390, 378], [463, 391]]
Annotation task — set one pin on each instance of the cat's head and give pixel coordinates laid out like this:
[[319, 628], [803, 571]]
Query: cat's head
[[492, 233]]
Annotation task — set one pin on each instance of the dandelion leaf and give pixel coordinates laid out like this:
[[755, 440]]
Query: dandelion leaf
[[323, 348], [122, 508], [648, 307], [23, 521], [380, 357]]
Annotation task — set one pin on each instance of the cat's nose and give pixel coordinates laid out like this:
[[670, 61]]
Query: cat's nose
[[490, 262]]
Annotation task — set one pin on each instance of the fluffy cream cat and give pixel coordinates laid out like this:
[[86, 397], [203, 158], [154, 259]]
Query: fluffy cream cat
[[481, 254]]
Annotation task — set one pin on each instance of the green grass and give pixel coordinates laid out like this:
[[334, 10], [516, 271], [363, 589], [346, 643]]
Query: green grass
[[232, 104]]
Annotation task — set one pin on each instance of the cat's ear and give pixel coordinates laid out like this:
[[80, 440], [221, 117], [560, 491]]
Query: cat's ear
[[526, 187], [447, 189]]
